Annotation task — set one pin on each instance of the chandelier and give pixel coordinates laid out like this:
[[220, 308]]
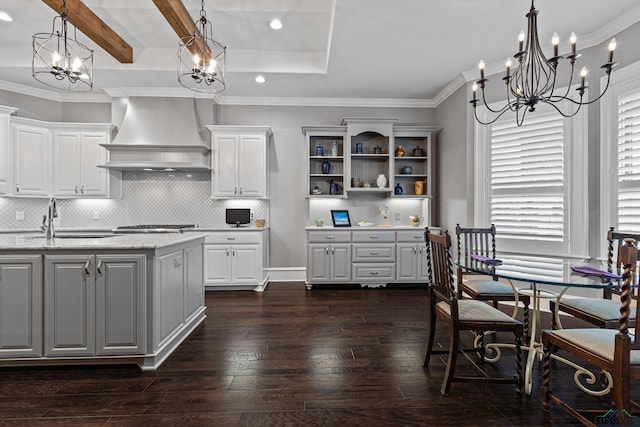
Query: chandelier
[[534, 78], [201, 59], [61, 61]]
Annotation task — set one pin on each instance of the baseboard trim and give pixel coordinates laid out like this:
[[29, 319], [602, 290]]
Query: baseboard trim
[[287, 274]]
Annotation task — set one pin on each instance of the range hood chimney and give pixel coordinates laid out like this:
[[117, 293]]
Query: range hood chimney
[[158, 134]]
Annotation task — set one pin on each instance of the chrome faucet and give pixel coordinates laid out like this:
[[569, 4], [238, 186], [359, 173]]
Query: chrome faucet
[[47, 219]]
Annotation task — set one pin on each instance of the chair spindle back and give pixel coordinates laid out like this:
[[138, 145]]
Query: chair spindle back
[[477, 241], [440, 265]]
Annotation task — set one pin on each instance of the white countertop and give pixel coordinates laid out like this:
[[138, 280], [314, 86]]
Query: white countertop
[[374, 227], [37, 241]]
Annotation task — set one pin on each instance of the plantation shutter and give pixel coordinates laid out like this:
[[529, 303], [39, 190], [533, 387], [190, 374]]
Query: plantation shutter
[[528, 177], [629, 162]]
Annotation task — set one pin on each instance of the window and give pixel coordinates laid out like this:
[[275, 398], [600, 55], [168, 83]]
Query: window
[[530, 181], [620, 128]]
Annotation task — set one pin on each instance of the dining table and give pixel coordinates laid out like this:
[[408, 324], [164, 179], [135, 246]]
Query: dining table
[[545, 278]]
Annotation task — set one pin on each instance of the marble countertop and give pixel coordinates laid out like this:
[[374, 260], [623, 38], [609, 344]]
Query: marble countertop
[[373, 227], [37, 241]]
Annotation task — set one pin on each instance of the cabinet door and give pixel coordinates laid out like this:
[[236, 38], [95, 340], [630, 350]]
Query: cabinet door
[[120, 297], [69, 296], [252, 163], [318, 266], [31, 158], [423, 268], [224, 168], [20, 306], [217, 264], [169, 296], [194, 296], [245, 264], [66, 163], [341, 262], [407, 268], [94, 181]]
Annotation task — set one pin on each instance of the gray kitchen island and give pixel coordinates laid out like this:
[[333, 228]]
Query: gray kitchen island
[[98, 299]]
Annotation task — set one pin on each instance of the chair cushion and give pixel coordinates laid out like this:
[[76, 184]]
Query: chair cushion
[[599, 307], [494, 287], [474, 310], [595, 340]]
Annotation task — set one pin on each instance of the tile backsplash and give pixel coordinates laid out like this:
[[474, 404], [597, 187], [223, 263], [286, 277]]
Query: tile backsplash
[[147, 198]]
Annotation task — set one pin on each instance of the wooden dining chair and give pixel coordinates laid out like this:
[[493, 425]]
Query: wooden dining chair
[[462, 315], [482, 241], [601, 311], [614, 351]]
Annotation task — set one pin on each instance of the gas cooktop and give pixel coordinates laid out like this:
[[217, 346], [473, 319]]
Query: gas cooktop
[[154, 228]]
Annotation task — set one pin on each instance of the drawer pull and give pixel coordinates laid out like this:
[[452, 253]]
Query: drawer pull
[[373, 273], [374, 237], [417, 237], [374, 253], [330, 237], [231, 238], [86, 267]]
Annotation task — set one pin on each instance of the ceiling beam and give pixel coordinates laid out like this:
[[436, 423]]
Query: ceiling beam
[[182, 23], [95, 28]]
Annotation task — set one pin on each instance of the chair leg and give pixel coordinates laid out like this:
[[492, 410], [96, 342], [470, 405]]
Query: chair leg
[[451, 361], [519, 378], [545, 390], [430, 338], [525, 317], [481, 349]]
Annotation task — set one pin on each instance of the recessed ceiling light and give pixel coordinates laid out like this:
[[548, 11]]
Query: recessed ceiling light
[[4, 16], [275, 24], [260, 79]]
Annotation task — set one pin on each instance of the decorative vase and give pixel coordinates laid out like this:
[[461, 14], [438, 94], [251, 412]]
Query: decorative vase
[[319, 150], [359, 148], [400, 151], [334, 148], [418, 152], [398, 190], [326, 166], [381, 181], [333, 188], [406, 170], [419, 187]]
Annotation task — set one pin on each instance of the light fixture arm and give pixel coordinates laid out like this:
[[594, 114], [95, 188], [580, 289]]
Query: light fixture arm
[[534, 80]]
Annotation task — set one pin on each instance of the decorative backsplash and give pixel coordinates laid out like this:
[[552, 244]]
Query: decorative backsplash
[[147, 198]]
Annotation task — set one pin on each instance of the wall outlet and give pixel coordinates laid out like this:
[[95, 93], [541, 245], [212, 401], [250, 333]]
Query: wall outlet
[[96, 215], [397, 216], [19, 215]]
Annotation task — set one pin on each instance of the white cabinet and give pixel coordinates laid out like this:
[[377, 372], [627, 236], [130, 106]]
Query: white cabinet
[[236, 259], [20, 306], [240, 161], [411, 256], [94, 304], [5, 149], [76, 156], [31, 148]]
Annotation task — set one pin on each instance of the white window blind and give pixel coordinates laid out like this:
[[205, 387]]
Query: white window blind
[[628, 115], [528, 177]]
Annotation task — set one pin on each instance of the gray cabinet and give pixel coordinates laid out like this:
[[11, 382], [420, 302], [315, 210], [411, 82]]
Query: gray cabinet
[[170, 295], [120, 296], [328, 257], [94, 304], [20, 306], [412, 256]]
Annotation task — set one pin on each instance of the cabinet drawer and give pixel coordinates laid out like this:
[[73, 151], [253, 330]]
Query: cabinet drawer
[[411, 236], [374, 236], [329, 237], [233, 237], [374, 272], [373, 253]]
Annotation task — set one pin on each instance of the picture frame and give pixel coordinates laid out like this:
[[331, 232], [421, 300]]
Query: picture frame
[[340, 218]]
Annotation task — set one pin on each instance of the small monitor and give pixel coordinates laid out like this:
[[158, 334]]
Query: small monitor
[[238, 217]]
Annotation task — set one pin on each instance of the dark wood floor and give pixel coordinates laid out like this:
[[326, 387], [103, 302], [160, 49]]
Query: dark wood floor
[[285, 357]]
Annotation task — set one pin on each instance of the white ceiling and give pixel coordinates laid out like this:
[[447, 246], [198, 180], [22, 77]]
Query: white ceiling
[[411, 50]]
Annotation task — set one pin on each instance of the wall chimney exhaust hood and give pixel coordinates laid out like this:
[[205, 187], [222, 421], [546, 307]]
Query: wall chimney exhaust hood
[[159, 134]]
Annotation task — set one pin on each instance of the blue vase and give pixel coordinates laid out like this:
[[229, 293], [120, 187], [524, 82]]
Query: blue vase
[[326, 166], [319, 150], [398, 190]]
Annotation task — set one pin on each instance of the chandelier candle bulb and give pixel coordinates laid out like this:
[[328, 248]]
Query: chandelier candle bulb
[[481, 67], [521, 41], [474, 89], [612, 47], [583, 76], [508, 64], [56, 60], [555, 40], [573, 39]]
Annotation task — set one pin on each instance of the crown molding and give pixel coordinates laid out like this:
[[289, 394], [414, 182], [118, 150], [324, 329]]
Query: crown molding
[[326, 102]]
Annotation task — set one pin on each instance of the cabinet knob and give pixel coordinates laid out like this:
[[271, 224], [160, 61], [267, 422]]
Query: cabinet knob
[[241, 190], [76, 189], [17, 188], [99, 267], [227, 252], [82, 189], [87, 265]]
